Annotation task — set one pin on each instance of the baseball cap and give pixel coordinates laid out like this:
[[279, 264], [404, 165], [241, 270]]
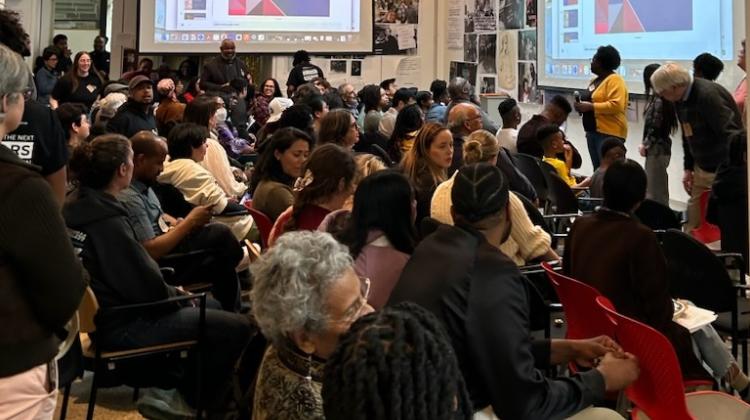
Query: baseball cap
[[277, 106], [137, 80]]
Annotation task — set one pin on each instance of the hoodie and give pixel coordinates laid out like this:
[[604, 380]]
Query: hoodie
[[122, 272]]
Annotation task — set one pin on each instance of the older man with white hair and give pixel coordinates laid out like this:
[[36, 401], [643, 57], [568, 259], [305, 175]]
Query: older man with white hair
[[711, 126]]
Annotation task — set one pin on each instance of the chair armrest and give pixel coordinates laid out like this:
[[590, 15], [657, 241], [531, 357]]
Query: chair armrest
[[591, 199], [139, 307], [560, 216]]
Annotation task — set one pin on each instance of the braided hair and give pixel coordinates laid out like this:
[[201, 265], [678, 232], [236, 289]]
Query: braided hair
[[395, 364], [479, 194]]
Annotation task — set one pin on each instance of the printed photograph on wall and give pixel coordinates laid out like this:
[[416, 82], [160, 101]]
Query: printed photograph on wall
[[531, 13], [397, 11], [356, 68], [395, 39], [338, 66], [469, 16], [527, 84], [527, 45], [510, 14], [487, 53], [487, 85], [470, 48], [507, 57], [485, 19], [466, 70]]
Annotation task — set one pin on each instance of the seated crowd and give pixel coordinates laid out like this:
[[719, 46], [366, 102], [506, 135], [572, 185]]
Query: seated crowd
[[375, 242]]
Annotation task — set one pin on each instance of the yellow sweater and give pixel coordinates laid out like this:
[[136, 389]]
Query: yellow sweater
[[561, 170], [526, 241], [610, 101]]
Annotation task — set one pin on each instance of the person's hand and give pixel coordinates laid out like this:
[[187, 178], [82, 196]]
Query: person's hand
[[583, 106], [642, 149], [587, 352], [619, 371], [199, 216], [687, 181]]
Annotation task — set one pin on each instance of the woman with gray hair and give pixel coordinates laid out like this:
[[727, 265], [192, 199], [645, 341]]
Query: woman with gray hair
[[306, 295]]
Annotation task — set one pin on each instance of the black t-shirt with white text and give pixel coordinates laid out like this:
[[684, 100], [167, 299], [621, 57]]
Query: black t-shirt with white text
[[39, 139], [303, 73]]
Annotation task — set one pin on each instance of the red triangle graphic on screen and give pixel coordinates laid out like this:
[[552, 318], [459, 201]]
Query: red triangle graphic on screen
[[271, 9], [237, 7], [630, 20]]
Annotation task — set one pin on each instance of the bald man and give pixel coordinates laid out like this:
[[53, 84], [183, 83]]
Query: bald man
[[221, 70], [162, 234], [464, 119]]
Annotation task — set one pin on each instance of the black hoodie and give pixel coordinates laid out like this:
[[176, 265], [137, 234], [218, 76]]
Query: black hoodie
[[121, 270]]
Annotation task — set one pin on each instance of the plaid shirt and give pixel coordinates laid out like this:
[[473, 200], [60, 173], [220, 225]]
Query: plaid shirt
[[654, 132]]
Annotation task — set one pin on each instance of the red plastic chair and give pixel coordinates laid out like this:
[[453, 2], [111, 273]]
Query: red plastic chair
[[263, 222], [584, 317], [706, 232], [658, 393]]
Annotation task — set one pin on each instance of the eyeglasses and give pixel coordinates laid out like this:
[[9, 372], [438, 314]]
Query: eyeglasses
[[356, 309]]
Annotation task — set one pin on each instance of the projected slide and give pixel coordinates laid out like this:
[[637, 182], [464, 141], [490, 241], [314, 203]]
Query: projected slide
[[623, 16], [256, 26], [643, 31], [279, 7]]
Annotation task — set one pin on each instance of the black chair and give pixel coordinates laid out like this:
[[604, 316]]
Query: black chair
[[701, 276], [529, 167], [657, 216], [561, 197]]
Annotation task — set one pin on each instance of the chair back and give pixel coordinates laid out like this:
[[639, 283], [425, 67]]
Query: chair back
[[658, 391], [87, 310], [695, 273], [706, 232], [263, 222], [560, 194], [657, 216], [584, 317], [529, 166]]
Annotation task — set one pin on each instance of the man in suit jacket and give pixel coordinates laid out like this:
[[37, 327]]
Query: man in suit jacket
[[221, 70]]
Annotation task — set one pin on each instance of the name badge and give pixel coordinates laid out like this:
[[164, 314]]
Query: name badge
[[163, 225], [687, 129], [91, 88]]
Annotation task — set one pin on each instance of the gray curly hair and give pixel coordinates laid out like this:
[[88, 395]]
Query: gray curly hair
[[292, 280], [14, 75]]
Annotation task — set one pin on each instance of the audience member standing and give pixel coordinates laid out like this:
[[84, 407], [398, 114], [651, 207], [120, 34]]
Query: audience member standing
[[64, 63], [604, 103], [711, 126], [221, 70], [707, 66], [659, 123], [374, 100], [303, 71], [135, 115], [511, 115], [101, 57], [81, 84], [38, 299], [46, 76]]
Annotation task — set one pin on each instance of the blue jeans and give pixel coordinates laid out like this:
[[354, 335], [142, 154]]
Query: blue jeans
[[710, 348], [594, 139], [226, 336]]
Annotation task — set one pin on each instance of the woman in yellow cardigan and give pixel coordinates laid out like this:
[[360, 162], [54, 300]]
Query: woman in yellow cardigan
[[603, 106]]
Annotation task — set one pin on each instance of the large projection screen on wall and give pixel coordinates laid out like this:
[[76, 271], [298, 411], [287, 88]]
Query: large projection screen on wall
[[256, 26], [644, 32]]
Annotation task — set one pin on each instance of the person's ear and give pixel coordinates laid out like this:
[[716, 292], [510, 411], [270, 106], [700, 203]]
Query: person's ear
[[303, 341]]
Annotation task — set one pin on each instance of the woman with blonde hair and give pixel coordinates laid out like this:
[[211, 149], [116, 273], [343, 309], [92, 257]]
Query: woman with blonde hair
[[427, 163], [524, 242]]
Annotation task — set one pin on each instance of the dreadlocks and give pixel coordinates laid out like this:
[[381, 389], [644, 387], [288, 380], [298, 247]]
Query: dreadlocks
[[395, 364]]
